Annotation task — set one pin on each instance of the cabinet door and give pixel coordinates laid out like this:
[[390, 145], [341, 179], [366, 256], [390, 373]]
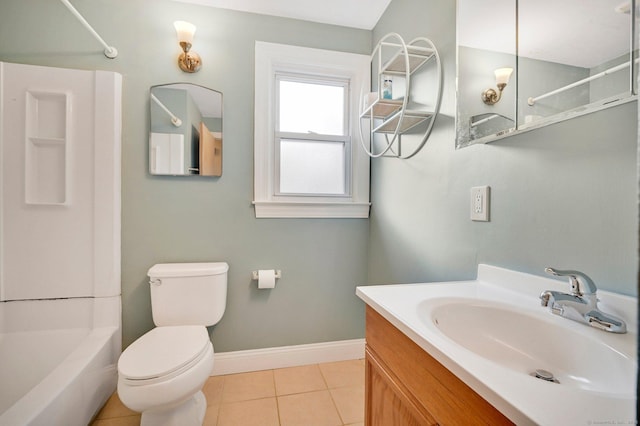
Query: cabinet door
[[426, 383], [385, 402]]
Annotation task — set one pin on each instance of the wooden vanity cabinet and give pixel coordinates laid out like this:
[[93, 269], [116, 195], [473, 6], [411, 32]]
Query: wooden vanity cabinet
[[404, 385]]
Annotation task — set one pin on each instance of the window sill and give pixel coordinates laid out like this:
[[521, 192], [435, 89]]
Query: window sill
[[284, 209]]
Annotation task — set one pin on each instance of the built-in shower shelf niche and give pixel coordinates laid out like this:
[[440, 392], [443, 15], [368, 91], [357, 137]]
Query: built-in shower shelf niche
[[46, 152]]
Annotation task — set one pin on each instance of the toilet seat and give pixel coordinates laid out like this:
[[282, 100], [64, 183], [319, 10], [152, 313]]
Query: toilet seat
[[163, 353]]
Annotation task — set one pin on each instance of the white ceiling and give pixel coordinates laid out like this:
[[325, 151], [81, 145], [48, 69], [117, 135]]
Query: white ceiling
[[577, 32], [363, 14], [582, 33]]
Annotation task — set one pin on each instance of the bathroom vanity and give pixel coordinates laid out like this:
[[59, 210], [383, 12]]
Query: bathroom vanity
[[467, 352]]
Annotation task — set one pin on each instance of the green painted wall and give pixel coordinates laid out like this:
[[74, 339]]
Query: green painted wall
[[563, 196], [168, 219]]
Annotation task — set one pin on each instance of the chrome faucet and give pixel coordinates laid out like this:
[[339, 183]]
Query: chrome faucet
[[581, 304]]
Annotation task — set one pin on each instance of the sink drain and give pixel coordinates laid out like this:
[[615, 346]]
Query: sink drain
[[545, 375]]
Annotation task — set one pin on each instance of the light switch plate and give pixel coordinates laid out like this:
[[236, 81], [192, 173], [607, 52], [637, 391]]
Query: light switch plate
[[480, 197]]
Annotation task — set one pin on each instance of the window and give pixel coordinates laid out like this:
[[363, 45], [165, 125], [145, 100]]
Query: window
[[307, 162], [312, 141]]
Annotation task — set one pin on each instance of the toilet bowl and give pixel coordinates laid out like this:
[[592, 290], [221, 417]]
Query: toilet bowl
[[165, 369], [162, 373]]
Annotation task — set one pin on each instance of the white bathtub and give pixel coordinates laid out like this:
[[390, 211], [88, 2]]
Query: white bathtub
[[57, 359]]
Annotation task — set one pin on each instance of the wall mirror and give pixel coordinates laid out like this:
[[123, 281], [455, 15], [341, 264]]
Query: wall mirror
[[185, 135], [530, 63]]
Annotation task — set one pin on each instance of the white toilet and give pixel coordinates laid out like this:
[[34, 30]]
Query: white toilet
[[162, 373]]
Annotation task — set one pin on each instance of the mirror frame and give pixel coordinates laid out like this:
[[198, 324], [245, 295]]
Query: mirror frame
[[579, 111]]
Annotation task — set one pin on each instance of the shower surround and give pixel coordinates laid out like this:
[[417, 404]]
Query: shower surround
[[60, 325]]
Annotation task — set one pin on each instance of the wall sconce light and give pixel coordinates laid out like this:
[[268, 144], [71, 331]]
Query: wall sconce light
[[187, 61], [490, 96]]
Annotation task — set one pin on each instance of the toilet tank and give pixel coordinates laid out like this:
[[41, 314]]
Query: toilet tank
[[188, 293]]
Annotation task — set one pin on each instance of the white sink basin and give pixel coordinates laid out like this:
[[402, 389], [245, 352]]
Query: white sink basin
[[526, 342]]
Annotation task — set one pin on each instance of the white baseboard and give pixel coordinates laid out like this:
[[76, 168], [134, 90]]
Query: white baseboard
[[286, 356]]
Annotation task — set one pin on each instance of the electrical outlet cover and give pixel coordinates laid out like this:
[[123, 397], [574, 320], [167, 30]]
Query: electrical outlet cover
[[480, 197]]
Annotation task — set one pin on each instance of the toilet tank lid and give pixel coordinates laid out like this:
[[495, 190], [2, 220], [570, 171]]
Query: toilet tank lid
[[168, 270]]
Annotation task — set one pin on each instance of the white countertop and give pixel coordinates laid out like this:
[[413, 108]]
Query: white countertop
[[523, 399]]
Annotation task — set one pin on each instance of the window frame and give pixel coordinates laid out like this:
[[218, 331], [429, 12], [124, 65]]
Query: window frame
[[273, 60]]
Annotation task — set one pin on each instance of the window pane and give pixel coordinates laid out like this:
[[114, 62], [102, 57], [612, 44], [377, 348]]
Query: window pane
[[310, 107], [312, 167]]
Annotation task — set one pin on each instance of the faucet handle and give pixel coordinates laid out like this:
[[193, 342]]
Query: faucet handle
[[580, 282]]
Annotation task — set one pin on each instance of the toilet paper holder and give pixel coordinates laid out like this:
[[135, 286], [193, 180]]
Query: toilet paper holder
[[254, 274]]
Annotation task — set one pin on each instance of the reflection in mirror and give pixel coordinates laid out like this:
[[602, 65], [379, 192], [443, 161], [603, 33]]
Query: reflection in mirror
[[186, 130], [484, 46], [573, 57], [576, 56]]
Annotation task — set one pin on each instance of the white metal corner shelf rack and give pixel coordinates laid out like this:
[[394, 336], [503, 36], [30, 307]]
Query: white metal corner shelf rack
[[393, 118]]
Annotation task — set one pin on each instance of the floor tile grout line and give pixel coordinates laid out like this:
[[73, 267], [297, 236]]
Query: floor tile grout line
[[336, 407], [275, 391], [326, 382], [224, 380]]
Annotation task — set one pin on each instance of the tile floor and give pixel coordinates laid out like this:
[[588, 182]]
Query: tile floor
[[330, 394]]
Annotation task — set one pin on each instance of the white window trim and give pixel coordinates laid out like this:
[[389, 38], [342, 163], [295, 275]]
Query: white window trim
[[271, 58]]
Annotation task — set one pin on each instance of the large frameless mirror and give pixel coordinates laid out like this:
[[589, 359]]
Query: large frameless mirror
[[186, 130], [527, 64]]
